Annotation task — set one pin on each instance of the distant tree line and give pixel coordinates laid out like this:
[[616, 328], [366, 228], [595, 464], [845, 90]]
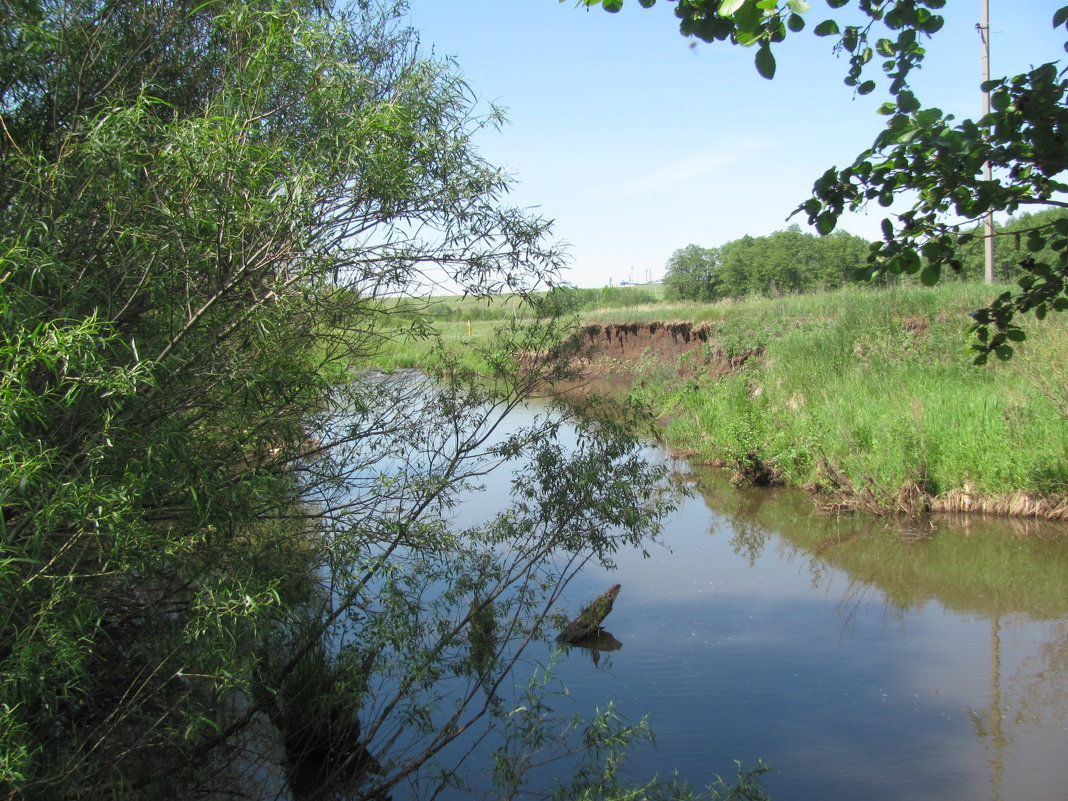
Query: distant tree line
[[795, 261], [782, 262]]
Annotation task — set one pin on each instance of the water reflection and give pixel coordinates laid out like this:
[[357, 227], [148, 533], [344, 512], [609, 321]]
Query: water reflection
[[840, 649], [597, 643], [993, 566]]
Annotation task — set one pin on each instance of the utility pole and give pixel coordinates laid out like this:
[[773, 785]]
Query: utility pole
[[988, 222]]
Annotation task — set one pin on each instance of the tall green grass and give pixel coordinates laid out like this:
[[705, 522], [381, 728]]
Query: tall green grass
[[872, 393]]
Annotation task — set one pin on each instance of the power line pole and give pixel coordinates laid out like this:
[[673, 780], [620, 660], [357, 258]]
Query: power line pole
[[988, 221]]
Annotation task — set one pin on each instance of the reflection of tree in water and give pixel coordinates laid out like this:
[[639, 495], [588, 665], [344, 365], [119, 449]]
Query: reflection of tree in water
[[1036, 693], [858, 592], [595, 644], [748, 540]]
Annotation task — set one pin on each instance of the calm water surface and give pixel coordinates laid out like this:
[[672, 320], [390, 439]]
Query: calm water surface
[[859, 660], [856, 663]]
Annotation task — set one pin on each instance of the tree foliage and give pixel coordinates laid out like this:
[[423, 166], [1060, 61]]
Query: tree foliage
[[923, 153], [692, 274], [1011, 246], [785, 261], [226, 563]]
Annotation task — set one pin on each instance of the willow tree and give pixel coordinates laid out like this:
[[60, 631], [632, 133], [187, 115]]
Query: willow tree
[[226, 552]]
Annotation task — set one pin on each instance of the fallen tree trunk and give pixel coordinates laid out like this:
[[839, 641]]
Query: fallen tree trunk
[[589, 620]]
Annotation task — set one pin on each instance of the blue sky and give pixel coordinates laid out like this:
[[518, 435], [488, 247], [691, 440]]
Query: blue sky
[[637, 143]]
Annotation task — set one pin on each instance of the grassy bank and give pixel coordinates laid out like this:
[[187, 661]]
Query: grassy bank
[[869, 397], [466, 326]]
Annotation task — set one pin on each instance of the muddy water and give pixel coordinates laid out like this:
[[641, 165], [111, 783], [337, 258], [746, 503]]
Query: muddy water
[[858, 660]]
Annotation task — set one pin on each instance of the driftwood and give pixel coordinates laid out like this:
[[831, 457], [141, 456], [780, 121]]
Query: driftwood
[[588, 623]]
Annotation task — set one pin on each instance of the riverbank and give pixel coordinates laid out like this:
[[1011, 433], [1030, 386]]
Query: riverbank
[[865, 397]]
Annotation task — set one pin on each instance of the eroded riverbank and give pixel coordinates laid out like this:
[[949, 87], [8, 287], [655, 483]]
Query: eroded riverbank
[[874, 407]]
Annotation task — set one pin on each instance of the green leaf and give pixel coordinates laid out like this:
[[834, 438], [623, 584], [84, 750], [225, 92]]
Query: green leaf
[[795, 23], [933, 24], [1004, 352], [728, 7], [798, 6], [765, 62], [1060, 16], [826, 28], [907, 102], [866, 88], [930, 275], [1016, 334], [612, 6], [836, 3]]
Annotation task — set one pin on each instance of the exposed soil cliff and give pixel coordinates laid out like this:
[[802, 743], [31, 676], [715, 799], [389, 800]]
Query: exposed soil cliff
[[613, 348]]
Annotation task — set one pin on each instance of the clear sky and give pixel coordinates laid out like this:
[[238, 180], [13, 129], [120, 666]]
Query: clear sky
[[637, 141]]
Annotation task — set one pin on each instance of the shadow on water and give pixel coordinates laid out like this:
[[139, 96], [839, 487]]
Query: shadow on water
[[596, 644]]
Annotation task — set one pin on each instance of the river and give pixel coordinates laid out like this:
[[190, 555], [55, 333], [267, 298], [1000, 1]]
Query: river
[[860, 659]]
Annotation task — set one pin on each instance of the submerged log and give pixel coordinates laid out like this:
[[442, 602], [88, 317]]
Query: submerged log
[[588, 622]]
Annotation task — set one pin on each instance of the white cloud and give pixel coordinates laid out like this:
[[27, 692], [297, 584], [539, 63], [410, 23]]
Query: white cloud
[[678, 171]]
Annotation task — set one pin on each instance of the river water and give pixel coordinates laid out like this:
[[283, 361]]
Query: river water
[[859, 659]]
